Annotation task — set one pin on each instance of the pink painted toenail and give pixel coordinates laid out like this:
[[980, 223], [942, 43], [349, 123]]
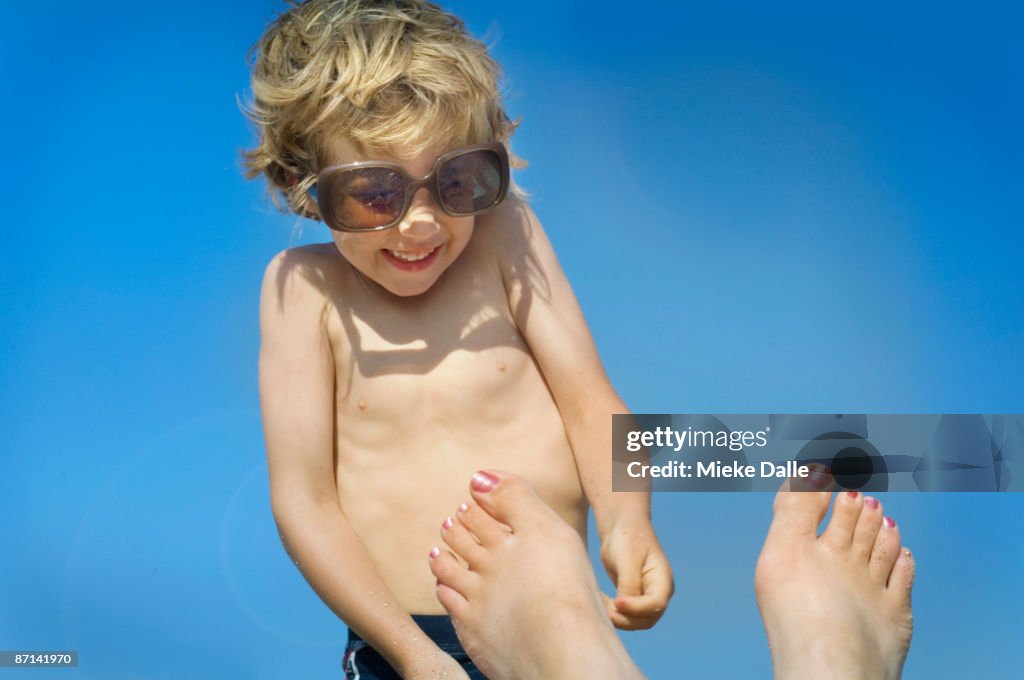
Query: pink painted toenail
[[464, 507], [819, 476], [448, 522], [871, 502], [483, 481], [435, 552], [852, 494], [889, 523]]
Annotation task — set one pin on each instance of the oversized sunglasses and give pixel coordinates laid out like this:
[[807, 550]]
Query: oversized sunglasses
[[375, 195]]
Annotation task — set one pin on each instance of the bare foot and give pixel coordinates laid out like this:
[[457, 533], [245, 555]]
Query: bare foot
[[835, 605], [522, 593]]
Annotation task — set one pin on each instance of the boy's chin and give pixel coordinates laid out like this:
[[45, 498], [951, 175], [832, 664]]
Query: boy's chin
[[411, 285], [408, 290]]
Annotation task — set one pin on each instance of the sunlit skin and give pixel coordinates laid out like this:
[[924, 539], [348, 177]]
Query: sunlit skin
[[514, 577], [424, 228], [386, 383]]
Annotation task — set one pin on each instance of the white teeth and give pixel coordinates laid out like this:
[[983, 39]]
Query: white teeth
[[410, 257]]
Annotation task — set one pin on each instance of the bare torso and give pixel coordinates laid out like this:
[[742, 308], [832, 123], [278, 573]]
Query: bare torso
[[428, 390]]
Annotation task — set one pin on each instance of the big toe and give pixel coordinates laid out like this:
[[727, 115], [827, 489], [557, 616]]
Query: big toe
[[508, 498], [800, 506]]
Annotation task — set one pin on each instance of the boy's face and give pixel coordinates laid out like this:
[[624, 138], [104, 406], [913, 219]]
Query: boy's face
[[410, 257]]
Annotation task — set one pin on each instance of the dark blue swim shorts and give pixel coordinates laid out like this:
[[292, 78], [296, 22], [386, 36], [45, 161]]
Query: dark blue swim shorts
[[362, 662]]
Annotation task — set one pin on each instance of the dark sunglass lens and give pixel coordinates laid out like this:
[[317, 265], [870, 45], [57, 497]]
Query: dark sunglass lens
[[367, 197], [470, 182]]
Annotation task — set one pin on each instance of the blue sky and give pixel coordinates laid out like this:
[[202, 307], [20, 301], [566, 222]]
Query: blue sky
[[762, 208]]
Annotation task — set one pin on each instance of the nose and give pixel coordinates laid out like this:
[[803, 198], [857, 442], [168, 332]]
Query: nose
[[420, 223]]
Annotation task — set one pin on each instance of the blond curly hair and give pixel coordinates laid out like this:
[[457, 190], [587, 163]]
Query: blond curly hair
[[384, 74]]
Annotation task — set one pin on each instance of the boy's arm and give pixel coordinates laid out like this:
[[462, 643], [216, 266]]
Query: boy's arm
[[548, 315], [296, 375]]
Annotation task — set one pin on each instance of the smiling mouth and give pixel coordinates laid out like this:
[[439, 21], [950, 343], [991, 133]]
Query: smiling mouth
[[411, 260], [411, 255]]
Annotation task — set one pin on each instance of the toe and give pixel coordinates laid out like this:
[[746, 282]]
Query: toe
[[845, 513], [901, 578], [485, 528], [885, 552], [508, 498], [447, 570], [798, 512], [868, 524], [819, 478], [453, 602], [461, 541]]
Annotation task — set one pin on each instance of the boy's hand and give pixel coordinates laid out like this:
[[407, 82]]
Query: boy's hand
[[640, 571]]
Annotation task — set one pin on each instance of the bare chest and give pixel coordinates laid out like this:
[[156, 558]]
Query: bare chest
[[446, 364]]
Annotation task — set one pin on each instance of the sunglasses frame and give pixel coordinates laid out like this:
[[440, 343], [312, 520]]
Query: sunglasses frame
[[413, 184]]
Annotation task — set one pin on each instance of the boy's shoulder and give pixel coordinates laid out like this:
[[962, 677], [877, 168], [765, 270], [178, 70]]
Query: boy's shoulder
[[300, 280], [506, 231], [515, 237], [316, 259]]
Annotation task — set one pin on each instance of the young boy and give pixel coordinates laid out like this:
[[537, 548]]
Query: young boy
[[434, 336]]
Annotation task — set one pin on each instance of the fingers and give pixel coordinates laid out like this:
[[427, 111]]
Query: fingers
[[631, 615], [638, 610], [627, 622], [644, 604], [628, 577]]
